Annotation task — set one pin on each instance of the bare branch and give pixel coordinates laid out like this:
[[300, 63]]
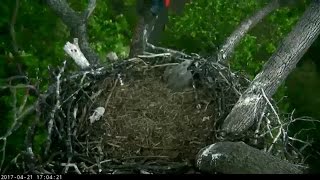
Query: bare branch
[[173, 53], [19, 86], [233, 40], [3, 150], [154, 55], [67, 165], [77, 25], [56, 108], [31, 159], [74, 51]]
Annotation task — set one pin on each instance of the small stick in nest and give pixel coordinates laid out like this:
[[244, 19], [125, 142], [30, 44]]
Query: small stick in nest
[[55, 108], [67, 165], [110, 94]]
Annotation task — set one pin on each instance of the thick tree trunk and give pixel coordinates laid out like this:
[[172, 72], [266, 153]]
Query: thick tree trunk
[[137, 44], [77, 23], [233, 40], [274, 72], [239, 158]]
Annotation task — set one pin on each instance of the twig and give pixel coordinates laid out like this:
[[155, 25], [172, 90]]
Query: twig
[[76, 92], [281, 130], [17, 77], [29, 139], [154, 55], [146, 157], [24, 102], [172, 52], [268, 127], [19, 86], [259, 123], [101, 162], [67, 165], [110, 94], [55, 108], [69, 134], [13, 161], [162, 65], [3, 150], [299, 140], [114, 145]]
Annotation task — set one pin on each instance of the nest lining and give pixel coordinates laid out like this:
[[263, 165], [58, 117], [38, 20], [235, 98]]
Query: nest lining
[[144, 119]]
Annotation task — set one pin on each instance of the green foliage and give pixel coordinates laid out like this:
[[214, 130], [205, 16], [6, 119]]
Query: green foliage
[[267, 35], [206, 24], [305, 79], [108, 34], [244, 59], [111, 26]]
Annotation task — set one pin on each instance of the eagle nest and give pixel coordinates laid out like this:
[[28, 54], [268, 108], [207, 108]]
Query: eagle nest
[[122, 118]]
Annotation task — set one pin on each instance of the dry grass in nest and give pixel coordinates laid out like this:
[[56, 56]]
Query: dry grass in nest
[[145, 119]]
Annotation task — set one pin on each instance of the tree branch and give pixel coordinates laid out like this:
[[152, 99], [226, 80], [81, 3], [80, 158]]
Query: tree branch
[[233, 40], [77, 24], [274, 72], [239, 158]]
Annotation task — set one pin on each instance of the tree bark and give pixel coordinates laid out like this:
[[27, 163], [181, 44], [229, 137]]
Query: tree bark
[[233, 40], [239, 158], [274, 72], [137, 44], [77, 23]]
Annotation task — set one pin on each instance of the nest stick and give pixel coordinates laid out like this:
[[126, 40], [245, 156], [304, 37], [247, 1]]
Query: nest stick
[[110, 94]]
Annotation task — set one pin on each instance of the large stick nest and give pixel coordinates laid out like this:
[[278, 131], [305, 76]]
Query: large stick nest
[[145, 128]]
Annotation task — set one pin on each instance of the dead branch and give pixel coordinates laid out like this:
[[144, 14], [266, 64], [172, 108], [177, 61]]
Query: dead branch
[[173, 53], [77, 23], [74, 51], [55, 109]]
